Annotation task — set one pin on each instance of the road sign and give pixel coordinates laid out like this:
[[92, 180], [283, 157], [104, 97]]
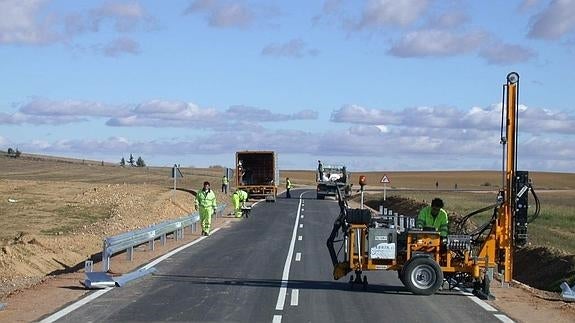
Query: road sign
[[176, 173], [385, 179]]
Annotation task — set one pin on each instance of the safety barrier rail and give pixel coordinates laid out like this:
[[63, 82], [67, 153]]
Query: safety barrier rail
[[128, 240]]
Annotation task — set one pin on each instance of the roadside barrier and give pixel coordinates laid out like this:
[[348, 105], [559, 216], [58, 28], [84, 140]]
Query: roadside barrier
[[128, 240]]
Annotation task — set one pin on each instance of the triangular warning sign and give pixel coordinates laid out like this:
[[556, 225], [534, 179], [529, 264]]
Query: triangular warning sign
[[385, 179]]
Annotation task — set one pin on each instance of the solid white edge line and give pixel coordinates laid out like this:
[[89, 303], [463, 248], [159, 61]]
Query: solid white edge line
[[294, 297], [285, 276], [298, 256], [277, 319], [69, 309], [503, 318], [476, 300], [173, 252]]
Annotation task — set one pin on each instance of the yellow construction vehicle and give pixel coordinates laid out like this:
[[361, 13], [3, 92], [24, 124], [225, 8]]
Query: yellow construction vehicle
[[423, 259]]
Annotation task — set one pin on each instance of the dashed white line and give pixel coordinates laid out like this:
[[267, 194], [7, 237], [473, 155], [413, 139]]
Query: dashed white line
[[285, 276], [298, 256], [302, 216], [294, 297], [277, 319], [504, 318], [299, 238], [301, 226]]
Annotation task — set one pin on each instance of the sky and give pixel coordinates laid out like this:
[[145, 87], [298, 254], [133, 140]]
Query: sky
[[378, 85]]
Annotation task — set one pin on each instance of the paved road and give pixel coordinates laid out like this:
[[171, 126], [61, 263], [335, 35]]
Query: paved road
[[240, 274]]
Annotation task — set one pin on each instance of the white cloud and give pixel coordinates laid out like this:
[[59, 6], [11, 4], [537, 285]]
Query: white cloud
[[450, 19], [380, 13], [556, 20], [360, 115], [21, 22], [121, 46], [293, 48], [505, 54], [436, 42], [224, 14], [331, 6], [532, 120], [51, 108]]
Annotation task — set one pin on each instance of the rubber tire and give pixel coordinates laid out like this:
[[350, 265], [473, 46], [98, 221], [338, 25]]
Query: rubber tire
[[401, 276], [418, 266]]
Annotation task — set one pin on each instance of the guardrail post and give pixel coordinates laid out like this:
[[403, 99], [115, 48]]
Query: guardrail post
[[163, 239], [105, 258], [152, 244], [130, 253]]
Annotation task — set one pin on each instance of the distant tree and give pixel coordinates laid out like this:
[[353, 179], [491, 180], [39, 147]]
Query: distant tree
[[140, 162], [131, 160], [123, 162]]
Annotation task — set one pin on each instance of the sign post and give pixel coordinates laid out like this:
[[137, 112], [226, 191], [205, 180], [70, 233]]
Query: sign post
[[385, 180], [176, 173]]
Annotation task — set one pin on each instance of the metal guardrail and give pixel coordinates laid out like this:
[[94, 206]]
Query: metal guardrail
[[128, 240]]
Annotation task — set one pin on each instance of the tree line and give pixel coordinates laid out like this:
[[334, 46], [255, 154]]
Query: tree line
[[132, 162]]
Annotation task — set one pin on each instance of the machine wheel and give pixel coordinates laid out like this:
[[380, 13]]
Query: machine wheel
[[422, 276], [401, 276]]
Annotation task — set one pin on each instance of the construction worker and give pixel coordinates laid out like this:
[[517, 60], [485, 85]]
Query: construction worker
[[225, 183], [288, 187], [434, 216], [319, 171], [206, 204], [238, 199]]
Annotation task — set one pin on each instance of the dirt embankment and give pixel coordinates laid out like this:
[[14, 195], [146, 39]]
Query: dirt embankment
[[31, 255], [539, 267]]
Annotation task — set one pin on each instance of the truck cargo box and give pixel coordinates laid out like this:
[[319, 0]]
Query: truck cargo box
[[257, 173]]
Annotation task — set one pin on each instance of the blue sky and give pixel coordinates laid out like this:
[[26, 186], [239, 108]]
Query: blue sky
[[375, 84]]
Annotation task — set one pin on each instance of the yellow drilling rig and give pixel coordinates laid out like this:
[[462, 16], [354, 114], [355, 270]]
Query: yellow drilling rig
[[423, 259]]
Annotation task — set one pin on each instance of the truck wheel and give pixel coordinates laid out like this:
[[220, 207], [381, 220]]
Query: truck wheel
[[422, 276]]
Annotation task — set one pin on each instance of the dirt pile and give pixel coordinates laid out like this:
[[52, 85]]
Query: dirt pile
[[544, 268]]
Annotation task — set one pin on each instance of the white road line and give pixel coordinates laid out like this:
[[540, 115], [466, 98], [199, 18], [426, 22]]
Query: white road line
[[298, 256], [65, 311], [301, 225], [173, 252], [504, 318], [69, 309], [277, 319], [294, 297], [481, 303], [285, 276], [299, 238], [302, 216]]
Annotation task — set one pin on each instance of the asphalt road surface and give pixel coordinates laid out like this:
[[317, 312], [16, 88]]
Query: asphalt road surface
[[272, 267]]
